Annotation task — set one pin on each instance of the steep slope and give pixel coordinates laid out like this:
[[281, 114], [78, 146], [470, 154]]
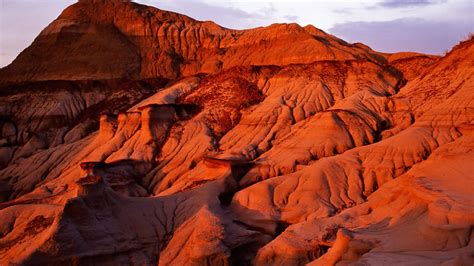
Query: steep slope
[[425, 158], [152, 138], [411, 64], [97, 39]]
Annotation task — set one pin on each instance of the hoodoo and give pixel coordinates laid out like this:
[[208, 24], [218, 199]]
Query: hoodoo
[[133, 135]]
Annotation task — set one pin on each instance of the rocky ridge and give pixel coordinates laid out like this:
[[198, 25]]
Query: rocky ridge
[[148, 137]]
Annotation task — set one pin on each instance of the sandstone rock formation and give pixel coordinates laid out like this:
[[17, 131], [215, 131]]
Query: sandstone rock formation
[[118, 39], [132, 135]]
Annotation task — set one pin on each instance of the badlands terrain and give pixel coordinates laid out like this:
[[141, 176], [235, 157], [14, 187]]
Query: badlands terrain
[[131, 135]]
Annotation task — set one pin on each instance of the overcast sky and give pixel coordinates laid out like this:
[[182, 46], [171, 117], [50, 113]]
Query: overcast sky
[[429, 26]]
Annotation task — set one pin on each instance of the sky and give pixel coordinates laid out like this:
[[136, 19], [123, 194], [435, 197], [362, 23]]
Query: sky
[[427, 26]]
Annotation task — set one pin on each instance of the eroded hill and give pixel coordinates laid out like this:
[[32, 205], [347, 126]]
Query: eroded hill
[[132, 135]]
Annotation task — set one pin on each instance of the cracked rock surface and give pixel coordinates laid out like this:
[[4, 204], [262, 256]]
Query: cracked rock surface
[[131, 135]]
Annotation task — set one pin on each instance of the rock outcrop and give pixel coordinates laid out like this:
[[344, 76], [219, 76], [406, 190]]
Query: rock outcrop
[[132, 135], [122, 39]]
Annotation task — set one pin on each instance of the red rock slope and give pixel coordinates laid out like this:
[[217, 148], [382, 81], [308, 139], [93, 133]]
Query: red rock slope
[[132, 135], [98, 39]]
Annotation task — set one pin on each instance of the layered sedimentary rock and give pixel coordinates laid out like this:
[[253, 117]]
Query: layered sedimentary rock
[[152, 138], [120, 39]]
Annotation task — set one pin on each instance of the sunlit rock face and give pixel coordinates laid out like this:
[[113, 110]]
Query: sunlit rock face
[[135, 136]]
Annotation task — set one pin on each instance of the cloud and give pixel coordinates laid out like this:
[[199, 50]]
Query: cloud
[[408, 3], [344, 11], [291, 18], [411, 34], [226, 16]]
